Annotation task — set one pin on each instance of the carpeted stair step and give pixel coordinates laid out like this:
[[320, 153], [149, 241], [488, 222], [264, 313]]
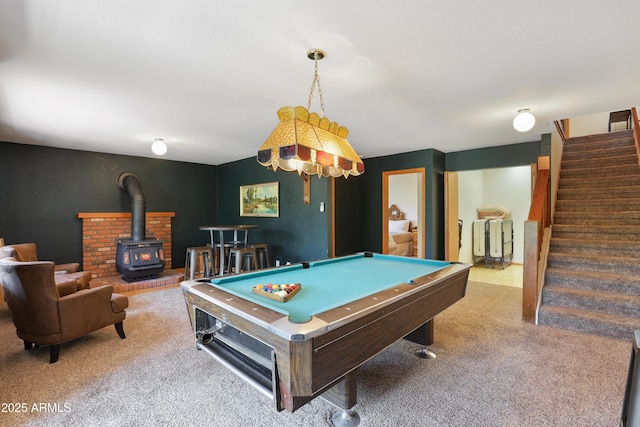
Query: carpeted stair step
[[587, 232], [587, 300], [627, 148], [602, 205], [600, 182], [609, 161], [613, 219], [623, 284], [618, 192], [604, 324], [599, 171], [595, 247], [576, 149], [615, 265], [598, 140]]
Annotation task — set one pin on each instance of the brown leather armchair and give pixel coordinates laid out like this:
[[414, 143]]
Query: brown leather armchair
[[27, 252], [68, 277], [43, 317]]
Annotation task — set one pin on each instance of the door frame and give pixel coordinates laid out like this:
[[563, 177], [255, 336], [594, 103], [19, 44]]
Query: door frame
[[421, 207], [451, 215]]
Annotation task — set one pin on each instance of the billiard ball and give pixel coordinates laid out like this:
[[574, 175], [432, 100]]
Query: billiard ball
[[282, 293]]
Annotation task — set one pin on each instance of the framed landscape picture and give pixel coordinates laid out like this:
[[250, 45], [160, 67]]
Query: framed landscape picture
[[260, 200]]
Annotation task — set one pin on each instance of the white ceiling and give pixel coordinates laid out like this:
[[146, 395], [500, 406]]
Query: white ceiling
[[208, 76]]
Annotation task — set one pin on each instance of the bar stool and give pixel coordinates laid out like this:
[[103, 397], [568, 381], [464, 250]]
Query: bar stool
[[192, 258], [221, 248], [217, 250], [238, 255], [262, 252]]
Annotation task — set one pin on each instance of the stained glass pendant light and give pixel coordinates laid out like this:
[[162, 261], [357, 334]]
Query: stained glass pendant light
[[308, 143]]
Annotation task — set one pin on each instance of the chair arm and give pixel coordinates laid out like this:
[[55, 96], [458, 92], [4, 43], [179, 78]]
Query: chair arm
[[82, 279], [67, 287], [85, 311], [71, 267]]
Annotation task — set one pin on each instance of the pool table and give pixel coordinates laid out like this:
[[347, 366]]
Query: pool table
[[348, 309]]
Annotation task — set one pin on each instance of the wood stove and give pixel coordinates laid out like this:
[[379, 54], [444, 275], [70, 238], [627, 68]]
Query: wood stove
[[139, 257], [139, 260]]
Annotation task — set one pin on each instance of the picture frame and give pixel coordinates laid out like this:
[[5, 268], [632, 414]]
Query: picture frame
[[260, 200]]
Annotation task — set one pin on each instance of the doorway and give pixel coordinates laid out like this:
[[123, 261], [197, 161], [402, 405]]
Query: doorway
[[406, 186], [465, 191]]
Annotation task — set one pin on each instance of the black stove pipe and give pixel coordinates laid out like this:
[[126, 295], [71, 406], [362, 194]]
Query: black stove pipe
[[130, 183]]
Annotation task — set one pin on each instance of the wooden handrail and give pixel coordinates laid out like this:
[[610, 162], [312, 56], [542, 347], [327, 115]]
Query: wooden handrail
[[636, 130], [562, 127], [534, 229]]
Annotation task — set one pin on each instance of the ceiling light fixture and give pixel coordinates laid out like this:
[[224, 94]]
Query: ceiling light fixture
[[524, 120], [159, 147], [310, 144]]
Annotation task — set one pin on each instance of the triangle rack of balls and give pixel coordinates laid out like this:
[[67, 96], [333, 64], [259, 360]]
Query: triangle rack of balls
[[278, 292]]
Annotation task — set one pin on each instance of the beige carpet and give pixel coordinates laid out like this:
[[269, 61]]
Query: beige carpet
[[491, 370]]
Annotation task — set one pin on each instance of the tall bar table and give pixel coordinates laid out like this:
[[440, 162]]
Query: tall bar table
[[221, 242]]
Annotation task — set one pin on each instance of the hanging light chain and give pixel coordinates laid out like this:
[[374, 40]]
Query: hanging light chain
[[316, 80]]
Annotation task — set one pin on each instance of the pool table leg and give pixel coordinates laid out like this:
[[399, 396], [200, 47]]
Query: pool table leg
[[423, 336], [346, 418], [344, 395]]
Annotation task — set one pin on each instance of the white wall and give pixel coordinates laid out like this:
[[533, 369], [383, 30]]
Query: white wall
[[592, 125], [505, 187]]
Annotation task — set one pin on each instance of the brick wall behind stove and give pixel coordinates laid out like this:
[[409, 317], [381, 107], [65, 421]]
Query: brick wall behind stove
[[101, 230]]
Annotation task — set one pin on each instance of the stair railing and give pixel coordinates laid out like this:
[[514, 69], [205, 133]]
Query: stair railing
[[536, 241], [562, 126], [636, 130]]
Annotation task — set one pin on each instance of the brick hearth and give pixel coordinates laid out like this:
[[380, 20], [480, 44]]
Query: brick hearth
[[100, 231], [165, 279]]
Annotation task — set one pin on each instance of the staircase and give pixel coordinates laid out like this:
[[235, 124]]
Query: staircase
[[592, 282]]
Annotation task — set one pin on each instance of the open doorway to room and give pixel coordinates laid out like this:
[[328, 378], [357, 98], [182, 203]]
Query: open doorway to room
[[403, 213], [502, 188]]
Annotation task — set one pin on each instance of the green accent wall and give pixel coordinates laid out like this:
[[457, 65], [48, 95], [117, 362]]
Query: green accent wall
[[371, 208], [435, 164], [44, 189], [499, 156], [435, 210], [545, 144], [347, 215], [301, 232]]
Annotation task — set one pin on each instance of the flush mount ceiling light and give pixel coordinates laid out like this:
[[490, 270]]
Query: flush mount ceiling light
[[310, 144], [524, 120], [159, 147]]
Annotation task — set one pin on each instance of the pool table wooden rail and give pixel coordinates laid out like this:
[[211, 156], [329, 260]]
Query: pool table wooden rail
[[344, 349]]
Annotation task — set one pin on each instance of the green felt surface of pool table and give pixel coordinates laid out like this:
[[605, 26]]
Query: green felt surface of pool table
[[329, 283]]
